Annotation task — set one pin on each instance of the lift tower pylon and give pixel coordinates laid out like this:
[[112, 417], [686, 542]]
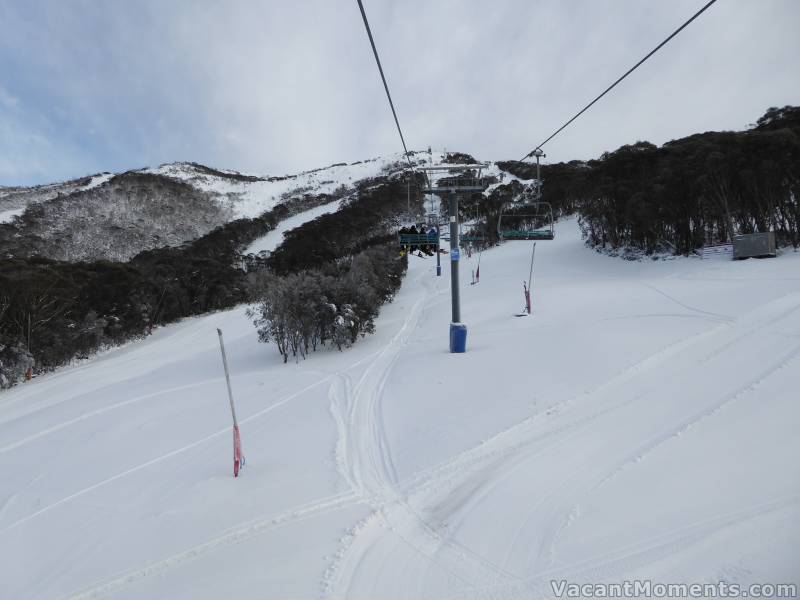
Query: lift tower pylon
[[452, 181]]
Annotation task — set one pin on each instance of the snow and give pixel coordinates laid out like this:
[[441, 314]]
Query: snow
[[274, 238], [253, 198], [6, 216], [28, 196], [641, 424], [504, 178], [98, 180]]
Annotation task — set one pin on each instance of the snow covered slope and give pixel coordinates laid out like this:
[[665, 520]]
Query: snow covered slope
[[7, 215], [14, 200], [115, 217], [642, 424], [274, 238], [252, 195]]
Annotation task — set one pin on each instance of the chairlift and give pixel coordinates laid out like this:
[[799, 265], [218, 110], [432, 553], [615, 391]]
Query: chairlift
[[472, 232], [423, 237], [433, 219], [418, 239], [532, 221]]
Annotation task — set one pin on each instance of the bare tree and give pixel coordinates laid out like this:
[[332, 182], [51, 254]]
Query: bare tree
[[37, 307]]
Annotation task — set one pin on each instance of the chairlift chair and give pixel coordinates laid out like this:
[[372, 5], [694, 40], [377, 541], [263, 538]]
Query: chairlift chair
[[422, 238], [472, 233], [533, 221], [418, 239]]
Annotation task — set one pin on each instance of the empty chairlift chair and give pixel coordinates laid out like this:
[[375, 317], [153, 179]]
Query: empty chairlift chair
[[532, 221], [472, 233]]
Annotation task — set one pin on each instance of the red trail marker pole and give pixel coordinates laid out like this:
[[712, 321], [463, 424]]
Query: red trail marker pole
[[238, 457], [527, 287]]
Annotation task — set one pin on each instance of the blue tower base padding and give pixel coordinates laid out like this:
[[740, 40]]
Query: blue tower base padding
[[458, 337], [438, 270]]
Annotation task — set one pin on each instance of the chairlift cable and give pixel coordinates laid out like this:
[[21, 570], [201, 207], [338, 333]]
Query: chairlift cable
[[383, 78], [613, 85]]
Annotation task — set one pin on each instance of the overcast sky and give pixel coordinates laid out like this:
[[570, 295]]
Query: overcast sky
[[274, 87]]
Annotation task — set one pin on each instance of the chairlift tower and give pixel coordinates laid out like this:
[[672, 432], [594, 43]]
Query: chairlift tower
[[538, 153], [451, 181]]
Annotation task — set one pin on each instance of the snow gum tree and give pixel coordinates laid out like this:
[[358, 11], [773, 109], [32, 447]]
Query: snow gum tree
[[333, 305]]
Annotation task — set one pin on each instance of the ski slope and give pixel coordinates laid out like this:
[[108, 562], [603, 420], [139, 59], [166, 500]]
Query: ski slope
[[249, 199], [6, 216], [274, 238], [642, 424]]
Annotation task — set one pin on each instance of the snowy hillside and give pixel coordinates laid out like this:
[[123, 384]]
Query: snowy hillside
[[252, 195], [642, 424], [115, 217], [14, 200], [115, 220]]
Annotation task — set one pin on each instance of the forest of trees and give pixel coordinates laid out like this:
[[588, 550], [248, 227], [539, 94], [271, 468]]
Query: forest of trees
[[689, 192], [131, 212], [325, 284], [333, 304], [52, 311]]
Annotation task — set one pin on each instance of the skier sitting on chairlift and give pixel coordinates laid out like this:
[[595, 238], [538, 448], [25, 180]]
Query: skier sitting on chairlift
[[413, 231], [403, 249], [431, 248]]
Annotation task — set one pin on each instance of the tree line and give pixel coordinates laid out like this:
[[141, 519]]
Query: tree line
[[131, 212], [325, 284], [52, 311], [688, 193], [331, 305]]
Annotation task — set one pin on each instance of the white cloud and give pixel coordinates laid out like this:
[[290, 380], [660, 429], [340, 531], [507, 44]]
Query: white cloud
[[7, 100], [277, 87], [27, 156]]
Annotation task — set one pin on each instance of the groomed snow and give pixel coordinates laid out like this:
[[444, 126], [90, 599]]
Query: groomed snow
[[6, 216], [98, 180], [274, 238], [504, 178], [642, 424]]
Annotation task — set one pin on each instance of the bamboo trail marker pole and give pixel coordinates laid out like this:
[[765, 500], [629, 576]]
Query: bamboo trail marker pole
[[530, 282], [238, 457]]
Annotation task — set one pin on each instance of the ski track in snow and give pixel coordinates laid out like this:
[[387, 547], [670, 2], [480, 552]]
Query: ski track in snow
[[549, 511], [675, 430], [102, 411], [686, 306], [416, 531], [237, 535], [168, 455], [365, 463], [626, 559], [545, 557], [671, 435], [129, 355]]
